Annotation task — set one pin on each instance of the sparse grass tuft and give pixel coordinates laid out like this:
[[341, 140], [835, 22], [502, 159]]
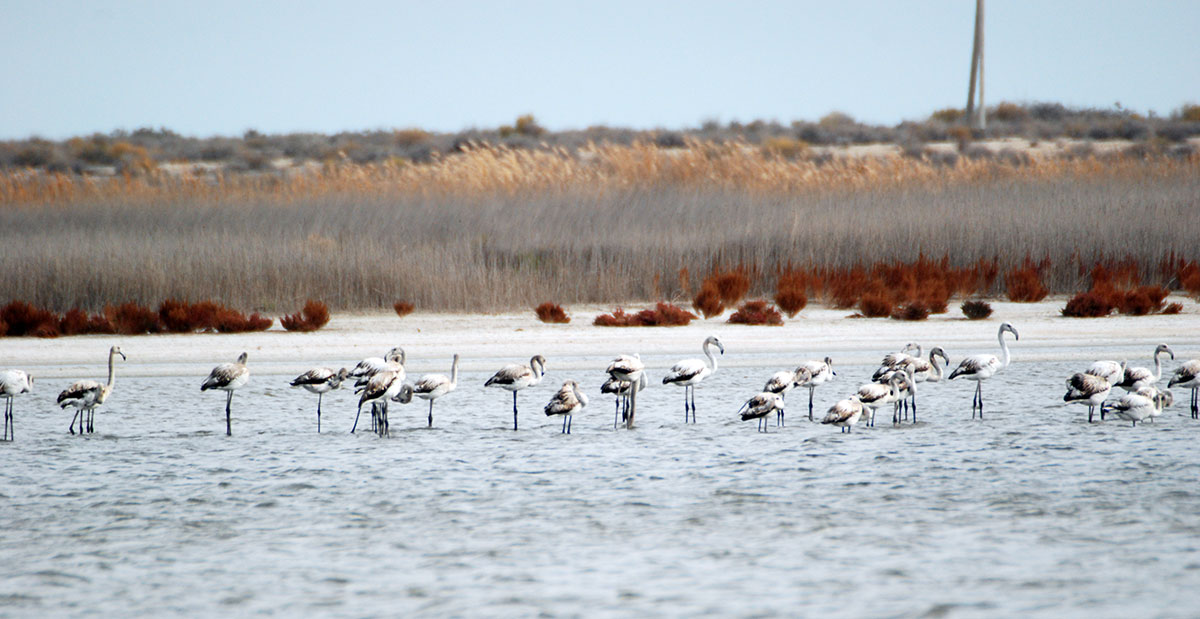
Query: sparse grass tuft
[[552, 313], [756, 313]]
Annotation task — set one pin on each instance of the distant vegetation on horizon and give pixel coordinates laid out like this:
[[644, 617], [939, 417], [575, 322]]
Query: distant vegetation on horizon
[[518, 217]]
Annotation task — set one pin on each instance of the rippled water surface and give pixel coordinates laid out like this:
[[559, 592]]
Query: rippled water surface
[[1032, 511]]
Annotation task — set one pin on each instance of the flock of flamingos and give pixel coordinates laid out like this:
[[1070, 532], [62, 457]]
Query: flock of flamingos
[[380, 380]]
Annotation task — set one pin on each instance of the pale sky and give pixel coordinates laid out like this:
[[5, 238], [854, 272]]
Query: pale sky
[[220, 67]]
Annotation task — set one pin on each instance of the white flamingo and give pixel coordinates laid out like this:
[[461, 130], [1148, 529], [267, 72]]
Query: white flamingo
[[761, 406], [1136, 378], [568, 401], [982, 367], [845, 413], [690, 372], [783, 382], [12, 384], [1088, 389], [629, 368], [380, 388], [1167, 399], [515, 377], [1140, 406], [228, 377], [1188, 377], [621, 389], [821, 373], [433, 386], [320, 381], [86, 395]]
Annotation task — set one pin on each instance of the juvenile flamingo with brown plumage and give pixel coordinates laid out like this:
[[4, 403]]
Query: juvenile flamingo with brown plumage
[[365, 369], [982, 367], [380, 388], [1136, 378], [568, 401], [12, 384], [821, 372], [621, 389], [845, 413], [1144, 404], [514, 377], [86, 395], [433, 386], [228, 377], [782, 382], [1087, 389], [1188, 377], [761, 406], [320, 381], [629, 368]]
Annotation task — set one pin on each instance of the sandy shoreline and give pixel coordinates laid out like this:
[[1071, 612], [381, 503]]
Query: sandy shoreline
[[487, 341]]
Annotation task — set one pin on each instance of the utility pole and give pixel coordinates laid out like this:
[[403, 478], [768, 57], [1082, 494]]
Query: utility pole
[[978, 121]]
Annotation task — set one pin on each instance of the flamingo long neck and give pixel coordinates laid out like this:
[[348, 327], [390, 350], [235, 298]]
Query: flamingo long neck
[[454, 372], [1004, 356], [112, 372], [937, 369], [538, 369], [712, 361], [1157, 366], [579, 395]]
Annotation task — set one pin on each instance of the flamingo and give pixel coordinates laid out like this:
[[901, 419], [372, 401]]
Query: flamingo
[[1188, 376], [433, 386], [228, 377], [568, 401], [875, 395], [12, 384], [1167, 399], [690, 372], [369, 367], [821, 372], [620, 388], [380, 388], [629, 368], [1135, 407], [86, 395], [320, 381], [845, 413], [515, 377], [783, 382], [891, 360], [761, 406], [982, 367], [1111, 371], [1088, 389], [1136, 378]]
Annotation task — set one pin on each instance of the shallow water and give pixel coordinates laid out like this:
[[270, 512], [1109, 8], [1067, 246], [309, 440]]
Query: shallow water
[[1032, 511]]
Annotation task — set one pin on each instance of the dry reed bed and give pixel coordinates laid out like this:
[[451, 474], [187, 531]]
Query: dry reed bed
[[496, 228]]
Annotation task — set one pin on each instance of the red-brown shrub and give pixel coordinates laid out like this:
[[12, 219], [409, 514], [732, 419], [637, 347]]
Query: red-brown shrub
[[232, 321], [132, 319], [206, 315], [875, 305], [1142, 300], [313, 316], [1024, 283], [403, 308], [732, 285], [756, 313], [791, 292], [663, 315], [1189, 277], [176, 316], [708, 300], [912, 311], [976, 310], [1173, 308], [1088, 305], [74, 322], [25, 319], [552, 313]]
